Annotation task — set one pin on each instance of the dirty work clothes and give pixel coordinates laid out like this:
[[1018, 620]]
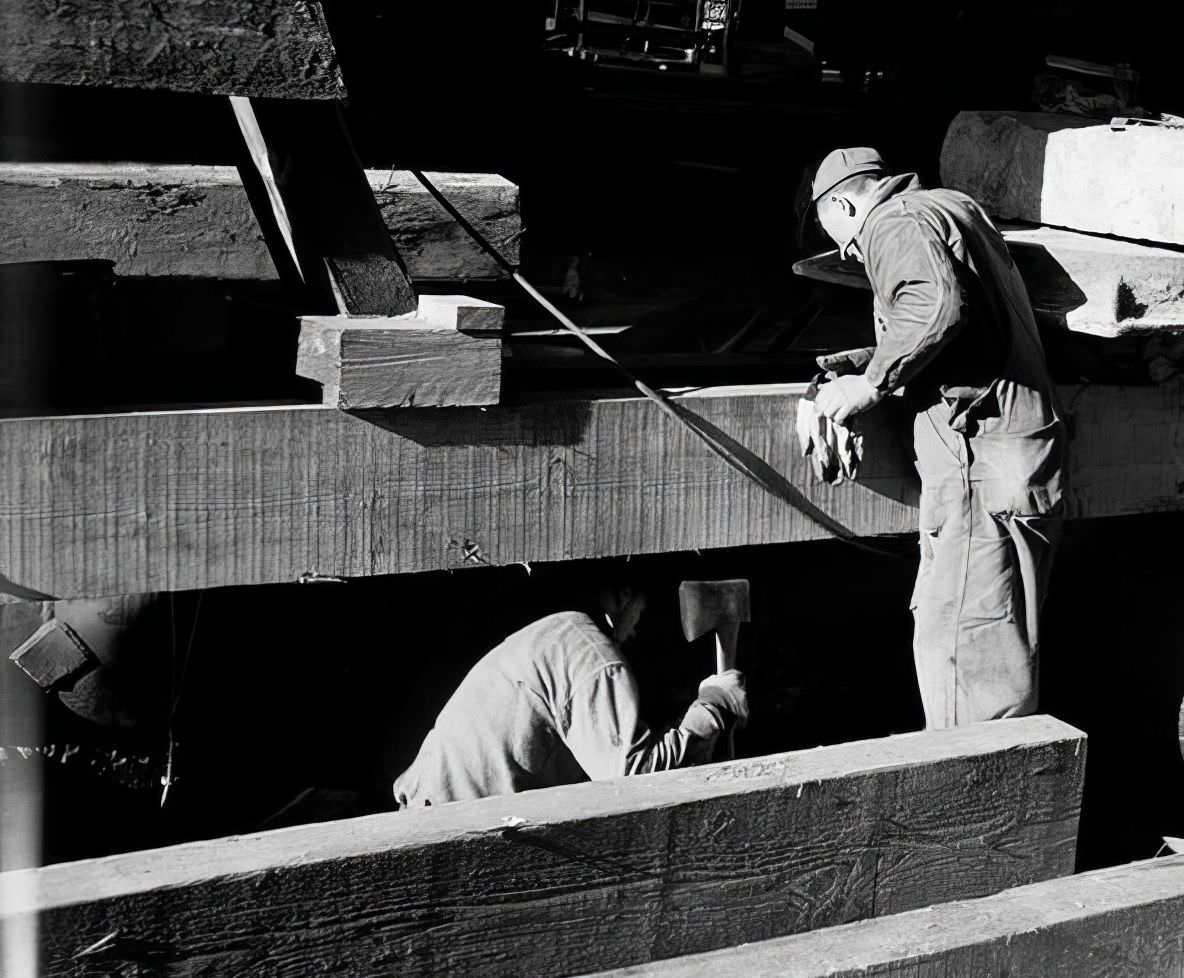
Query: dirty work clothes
[[954, 328], [555, 703], [982, 581]]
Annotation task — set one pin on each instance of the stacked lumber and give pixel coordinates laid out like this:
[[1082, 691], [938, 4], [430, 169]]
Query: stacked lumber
[[1108, 257], [613, 873]]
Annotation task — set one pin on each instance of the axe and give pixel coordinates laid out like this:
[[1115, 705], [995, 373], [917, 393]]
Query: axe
[[715, 606]]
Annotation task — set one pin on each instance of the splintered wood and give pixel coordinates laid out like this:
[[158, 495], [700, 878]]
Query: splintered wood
[[1124, 922], [610, 873], [128, 504]]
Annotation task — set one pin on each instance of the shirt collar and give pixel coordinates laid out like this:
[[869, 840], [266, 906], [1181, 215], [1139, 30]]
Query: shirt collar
[[886, 189]]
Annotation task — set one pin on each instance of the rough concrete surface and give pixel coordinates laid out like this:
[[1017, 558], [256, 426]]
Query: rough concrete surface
[[1070, 172], [1099, 285]]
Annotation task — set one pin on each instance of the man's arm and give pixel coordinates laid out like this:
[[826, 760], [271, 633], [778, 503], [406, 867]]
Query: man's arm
[[919, 301], [608, 739]]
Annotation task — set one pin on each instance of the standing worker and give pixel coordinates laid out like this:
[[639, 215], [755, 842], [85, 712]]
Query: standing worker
[[955, 329], [556, 703]]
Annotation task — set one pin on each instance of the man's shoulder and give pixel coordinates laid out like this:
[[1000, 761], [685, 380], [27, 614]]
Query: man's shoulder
[[572, 633]]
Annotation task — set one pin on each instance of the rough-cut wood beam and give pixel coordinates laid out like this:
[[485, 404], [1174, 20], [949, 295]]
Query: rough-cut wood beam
[[196, 221], [1123, 922], [127, 504], [1069, 172], [588, 876], [382, 362], [268, 48]]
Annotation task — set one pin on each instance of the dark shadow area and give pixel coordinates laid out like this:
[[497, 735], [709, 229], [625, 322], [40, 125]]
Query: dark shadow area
[[1052, 291], [330, 686]]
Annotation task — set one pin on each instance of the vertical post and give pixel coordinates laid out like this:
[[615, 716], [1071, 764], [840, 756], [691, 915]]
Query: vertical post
[[311, 197]]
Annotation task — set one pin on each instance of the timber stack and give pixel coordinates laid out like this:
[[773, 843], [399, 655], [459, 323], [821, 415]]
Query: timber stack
[[338, 345]]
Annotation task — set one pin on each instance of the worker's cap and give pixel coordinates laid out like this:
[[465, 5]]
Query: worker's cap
[[842, 164]]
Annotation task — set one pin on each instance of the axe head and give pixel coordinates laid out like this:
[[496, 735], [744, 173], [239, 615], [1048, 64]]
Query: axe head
[[708, 606]]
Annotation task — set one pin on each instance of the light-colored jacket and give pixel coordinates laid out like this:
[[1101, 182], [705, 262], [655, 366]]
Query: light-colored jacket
[[555, 703]]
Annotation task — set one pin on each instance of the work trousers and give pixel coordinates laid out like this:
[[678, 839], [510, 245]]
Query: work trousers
[[982, 580]]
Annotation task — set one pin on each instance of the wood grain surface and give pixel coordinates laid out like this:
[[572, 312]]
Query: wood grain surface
[[132, 503], [1122, 922], [196, 221], [385, 363], [271, 48], [584, 877]]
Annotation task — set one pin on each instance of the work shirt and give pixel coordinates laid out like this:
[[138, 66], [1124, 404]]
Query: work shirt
[[954, 326], [555, 703]]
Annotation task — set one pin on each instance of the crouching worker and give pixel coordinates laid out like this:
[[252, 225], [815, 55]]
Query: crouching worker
[[557, 703]]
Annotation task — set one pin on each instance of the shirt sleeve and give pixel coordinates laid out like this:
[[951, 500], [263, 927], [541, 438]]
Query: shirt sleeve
[[919, 301], [607, 737]]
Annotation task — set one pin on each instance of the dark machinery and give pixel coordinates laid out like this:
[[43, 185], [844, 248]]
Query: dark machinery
[[686, 35]]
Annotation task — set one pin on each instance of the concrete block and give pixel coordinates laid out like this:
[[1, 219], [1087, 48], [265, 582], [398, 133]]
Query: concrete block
[[1099, 285], [1070, 172]]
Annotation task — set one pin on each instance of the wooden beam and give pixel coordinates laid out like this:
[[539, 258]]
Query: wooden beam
[[400, 362], [1123, 922], [612, 873], [196, 221], [132, 503], [310, 195], [268, 48]]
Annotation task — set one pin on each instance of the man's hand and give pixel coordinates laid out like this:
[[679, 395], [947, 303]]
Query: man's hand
[[844, 396], [726, 692], [722, 702], [833, 450]]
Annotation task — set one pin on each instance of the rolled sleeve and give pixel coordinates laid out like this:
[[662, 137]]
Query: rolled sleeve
[[919, 301]]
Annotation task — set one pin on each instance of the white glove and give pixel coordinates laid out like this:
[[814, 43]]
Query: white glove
[[722, 702], [834, 451], [844, 396]]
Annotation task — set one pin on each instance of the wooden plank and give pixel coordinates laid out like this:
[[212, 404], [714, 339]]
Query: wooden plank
[[1123, 922], [321, 222], [399, 362], [613, 873], [271, 48], [132, 503], [196, 221], [1069, 172]]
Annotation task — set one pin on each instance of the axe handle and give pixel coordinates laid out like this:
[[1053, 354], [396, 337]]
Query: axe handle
[[725, 659], [725, 647]]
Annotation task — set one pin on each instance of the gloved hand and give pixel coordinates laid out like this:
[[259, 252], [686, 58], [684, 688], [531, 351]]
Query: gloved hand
[[834, 451], [844, 396], [722, 702]]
